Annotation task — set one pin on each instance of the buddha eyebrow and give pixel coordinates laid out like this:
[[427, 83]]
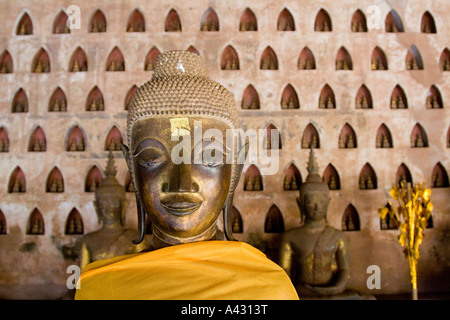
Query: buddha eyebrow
[[148, 143], [213, 143]]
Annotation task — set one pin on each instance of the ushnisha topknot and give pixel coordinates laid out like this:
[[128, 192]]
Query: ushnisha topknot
[[179, 87]]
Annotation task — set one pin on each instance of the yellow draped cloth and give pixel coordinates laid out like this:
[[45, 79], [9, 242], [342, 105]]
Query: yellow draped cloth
[[204, 270]]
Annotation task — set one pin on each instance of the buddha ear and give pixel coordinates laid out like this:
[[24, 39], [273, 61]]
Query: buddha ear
[[328, 200], [239, 165], [126, 154], [97, 212], [227, 223], [326, 207], [140, 209], [124, 211], [242, 153], [299, 204]]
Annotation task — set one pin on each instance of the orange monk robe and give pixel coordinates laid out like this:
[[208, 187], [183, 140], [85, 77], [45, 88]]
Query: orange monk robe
[[205, 270]]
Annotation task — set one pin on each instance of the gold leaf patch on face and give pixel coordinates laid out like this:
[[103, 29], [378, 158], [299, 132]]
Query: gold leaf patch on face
[[179, 127]]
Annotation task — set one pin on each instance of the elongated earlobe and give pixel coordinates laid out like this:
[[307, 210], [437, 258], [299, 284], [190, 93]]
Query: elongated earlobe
[[227, 222], [141, 221]]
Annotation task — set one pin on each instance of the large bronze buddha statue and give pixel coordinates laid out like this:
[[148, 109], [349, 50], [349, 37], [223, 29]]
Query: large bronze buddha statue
[[315, 254], [184, 175], [112, 239]]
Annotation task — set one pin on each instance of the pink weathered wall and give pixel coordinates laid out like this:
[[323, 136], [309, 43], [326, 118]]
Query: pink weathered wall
[[34, 266]]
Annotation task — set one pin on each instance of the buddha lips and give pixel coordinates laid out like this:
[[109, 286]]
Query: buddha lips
[[181, 204]]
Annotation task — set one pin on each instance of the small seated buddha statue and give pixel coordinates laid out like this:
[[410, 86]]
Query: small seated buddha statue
[[182, 184], [112, 239], [315, 255]]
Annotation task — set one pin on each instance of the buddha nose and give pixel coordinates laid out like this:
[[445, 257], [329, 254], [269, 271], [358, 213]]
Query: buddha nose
[[181, 179]]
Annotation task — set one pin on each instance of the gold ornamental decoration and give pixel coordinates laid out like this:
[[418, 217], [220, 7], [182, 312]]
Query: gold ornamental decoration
[[412, 214]]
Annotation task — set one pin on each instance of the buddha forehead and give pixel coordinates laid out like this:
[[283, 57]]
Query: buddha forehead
[[110, 193], [315, 195], [167, 129]]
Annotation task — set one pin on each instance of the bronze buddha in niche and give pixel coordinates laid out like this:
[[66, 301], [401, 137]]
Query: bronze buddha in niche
[[315, 255], [113, 239]]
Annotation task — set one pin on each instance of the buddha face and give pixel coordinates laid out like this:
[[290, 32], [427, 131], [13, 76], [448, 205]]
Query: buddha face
[[109, 207], [315, 204], [182, 198]]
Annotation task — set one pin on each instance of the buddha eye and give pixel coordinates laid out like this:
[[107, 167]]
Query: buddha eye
[[211, 154], [213, 157], [150, 157]]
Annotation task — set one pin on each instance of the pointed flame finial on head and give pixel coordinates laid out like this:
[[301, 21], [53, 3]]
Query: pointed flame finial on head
[[110, 181], [312, 164], [110, 170], [313, 182]]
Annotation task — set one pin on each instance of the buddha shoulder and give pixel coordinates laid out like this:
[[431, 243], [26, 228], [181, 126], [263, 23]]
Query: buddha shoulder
[[335, 233]]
